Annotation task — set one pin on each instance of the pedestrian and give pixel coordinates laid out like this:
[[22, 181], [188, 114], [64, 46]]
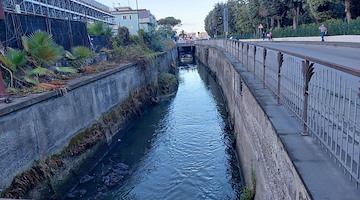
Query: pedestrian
[[323, 31], [270, 36], [263, 35]]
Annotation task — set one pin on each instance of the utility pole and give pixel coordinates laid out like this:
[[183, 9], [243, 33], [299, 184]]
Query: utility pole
[[226, 22]]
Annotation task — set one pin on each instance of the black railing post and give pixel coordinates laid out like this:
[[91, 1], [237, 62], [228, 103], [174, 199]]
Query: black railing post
[[280, 62], [247, 56], [308, 72], [242, 53], [254, 60], [264, 66]]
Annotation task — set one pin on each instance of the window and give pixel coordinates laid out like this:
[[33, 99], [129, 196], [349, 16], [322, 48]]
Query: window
[[130, 17], [124, 17]]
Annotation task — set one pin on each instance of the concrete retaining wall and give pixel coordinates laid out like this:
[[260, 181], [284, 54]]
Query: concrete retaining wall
[[259, 146], [37, 126]]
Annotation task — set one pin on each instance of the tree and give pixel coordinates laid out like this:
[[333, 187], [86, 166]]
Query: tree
[[323, 10], [275, 10], [182, 34], [169, 21], [233, 6], [123, 36], [243, 22], [347, 4], [167, 24], [295, 6]]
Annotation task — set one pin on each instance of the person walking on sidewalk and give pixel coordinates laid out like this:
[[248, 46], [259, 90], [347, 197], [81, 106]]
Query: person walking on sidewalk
[[323, 30]]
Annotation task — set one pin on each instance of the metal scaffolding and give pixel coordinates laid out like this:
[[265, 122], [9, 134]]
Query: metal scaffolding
[[60, 9]]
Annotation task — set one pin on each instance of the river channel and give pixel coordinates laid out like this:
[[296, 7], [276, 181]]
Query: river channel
[[179, 149]]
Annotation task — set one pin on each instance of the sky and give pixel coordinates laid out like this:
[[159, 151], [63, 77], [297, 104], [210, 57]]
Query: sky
[[192, 13]]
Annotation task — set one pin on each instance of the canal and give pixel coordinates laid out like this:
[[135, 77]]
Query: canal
[[179, 149]]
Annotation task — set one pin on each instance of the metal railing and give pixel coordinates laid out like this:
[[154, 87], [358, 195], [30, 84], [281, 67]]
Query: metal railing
[[324, 96]]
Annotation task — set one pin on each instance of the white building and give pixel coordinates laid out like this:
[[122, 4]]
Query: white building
[[134, 19]]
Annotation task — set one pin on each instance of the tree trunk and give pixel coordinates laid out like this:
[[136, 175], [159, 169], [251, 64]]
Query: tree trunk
[[278, 22], [283, 17], [347, 10], [296, 12], [272, 23]]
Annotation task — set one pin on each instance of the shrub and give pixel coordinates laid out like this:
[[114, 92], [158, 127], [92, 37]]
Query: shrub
[[99, 29], [334, 26]]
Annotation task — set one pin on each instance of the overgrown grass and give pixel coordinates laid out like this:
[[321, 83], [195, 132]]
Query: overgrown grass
[[248, 192]]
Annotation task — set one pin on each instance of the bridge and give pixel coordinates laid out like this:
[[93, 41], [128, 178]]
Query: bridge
[[186, 53], [310, 96]]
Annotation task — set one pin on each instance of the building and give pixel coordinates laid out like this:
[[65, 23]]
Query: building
[[191, 36], [134, 19], [204, 36], [80, 10]]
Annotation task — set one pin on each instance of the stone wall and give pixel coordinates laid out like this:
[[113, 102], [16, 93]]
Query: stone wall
[[260, 149], [40, 125]]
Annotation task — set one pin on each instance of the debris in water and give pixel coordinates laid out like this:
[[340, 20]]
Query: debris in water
[[86, 178], [76, 194]]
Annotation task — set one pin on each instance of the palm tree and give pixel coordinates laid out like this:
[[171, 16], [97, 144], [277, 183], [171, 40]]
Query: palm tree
[[182, 35], [42, 51], [42, 48], [12, 59], [78, 55]]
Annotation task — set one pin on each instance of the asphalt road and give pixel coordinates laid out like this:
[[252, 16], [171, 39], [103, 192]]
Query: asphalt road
[[337, 54]]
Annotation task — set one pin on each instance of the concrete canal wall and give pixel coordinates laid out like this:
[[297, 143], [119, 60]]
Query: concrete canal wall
[[265, 162], [40, 125]]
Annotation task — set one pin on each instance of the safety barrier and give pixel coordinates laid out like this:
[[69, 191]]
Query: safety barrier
[[324, 96]]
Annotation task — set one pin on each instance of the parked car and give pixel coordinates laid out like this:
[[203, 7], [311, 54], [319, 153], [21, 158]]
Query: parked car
[[234, 38]]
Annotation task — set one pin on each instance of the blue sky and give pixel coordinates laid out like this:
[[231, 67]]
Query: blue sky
[[191, 12]]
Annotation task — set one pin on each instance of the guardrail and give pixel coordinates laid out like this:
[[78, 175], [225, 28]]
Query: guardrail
[[324, 96]]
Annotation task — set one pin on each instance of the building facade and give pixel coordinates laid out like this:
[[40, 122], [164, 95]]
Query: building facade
[[80, 10], [134, 20]]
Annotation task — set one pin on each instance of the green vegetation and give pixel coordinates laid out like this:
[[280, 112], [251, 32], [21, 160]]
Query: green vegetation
[[140, 48], [168, 83], [99, 29], [182, 34], [285, 17], [335, 27], [248, 192], [34, 65], [41, 49], [43, 65], [76, 59], [13, 58], [166, 26]]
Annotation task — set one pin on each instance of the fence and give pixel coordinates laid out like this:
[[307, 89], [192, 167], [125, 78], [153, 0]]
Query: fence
[[323, 96], [65, 33]]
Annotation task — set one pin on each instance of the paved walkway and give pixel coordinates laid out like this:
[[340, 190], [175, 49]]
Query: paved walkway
[[340, 54], [337, 38]]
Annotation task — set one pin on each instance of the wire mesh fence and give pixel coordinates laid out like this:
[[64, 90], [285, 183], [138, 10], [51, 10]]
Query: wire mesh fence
[[65, 33]]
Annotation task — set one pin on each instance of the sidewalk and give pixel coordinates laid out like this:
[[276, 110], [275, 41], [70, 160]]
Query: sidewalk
[[338, 40]]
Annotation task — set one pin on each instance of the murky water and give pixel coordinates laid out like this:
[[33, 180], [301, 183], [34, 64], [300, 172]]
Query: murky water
[[179, 149]]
